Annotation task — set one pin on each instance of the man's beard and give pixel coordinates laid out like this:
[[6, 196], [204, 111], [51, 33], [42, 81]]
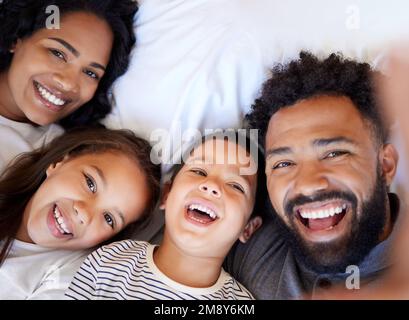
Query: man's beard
[[351, 248]]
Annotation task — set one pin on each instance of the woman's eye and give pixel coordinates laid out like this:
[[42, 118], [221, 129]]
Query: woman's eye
[[58, 54], [237, 187], [92, 186], [91, 74], [199, 172], [334, 154], [283, 164], [108, 218]]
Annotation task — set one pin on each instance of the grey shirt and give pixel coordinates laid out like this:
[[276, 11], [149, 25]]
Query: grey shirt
[[266, 266]]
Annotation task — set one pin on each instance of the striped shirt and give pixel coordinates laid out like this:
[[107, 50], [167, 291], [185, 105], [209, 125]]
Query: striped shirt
[[125, 270]]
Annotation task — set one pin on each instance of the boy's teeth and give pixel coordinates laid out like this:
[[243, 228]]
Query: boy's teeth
[[199, 207], [321, 214], [49, 96]]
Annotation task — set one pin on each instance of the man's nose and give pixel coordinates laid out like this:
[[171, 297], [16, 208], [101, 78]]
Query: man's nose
[[310, 179]]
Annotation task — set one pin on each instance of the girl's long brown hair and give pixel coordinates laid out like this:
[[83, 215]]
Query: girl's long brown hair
[[27, 172]]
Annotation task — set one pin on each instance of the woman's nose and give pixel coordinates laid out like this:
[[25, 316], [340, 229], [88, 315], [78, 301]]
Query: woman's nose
[[67, 81]]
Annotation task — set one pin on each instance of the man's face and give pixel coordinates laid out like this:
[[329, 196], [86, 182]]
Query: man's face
[[325, 180]]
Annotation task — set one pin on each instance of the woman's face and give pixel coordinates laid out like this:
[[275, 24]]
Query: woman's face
[[56, 71], [85, 201]]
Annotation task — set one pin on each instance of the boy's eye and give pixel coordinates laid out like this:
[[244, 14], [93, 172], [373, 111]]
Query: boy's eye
[[108, 218], [335, 154], [91, 74], [199, 172], [58, 54], [92, 186], [282, 164], [237, 187]]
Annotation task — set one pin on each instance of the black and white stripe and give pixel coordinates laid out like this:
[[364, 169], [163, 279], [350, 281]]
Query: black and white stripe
[[125, 270]]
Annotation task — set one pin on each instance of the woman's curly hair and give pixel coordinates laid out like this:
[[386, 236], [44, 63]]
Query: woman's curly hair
[[21, 18], [308, 77]]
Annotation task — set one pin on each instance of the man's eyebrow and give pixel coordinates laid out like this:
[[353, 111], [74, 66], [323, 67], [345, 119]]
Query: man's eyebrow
[[76, 53], [278, 151], [326, 142]]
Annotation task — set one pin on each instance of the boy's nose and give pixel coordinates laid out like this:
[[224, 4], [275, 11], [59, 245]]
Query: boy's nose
[[210, 188]]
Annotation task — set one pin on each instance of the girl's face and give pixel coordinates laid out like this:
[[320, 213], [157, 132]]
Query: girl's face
[[56, 71], [85, 201], [210, 201]]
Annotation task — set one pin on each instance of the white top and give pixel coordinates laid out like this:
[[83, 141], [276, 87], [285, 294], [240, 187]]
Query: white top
[[125, 270], [19, 137], [34, 272]]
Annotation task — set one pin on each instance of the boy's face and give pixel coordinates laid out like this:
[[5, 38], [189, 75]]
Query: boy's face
[[209, 202]]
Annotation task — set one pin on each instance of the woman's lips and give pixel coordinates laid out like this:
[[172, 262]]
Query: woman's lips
[[54, 102]]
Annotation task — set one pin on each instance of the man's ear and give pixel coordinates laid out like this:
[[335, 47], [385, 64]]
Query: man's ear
[[389, 161], [250, 228], [52, 167], [165, 192]]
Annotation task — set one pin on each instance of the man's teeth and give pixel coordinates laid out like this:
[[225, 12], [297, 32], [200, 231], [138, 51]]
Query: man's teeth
[[204, 209], [321, 214], [60, 221], [47, 95]]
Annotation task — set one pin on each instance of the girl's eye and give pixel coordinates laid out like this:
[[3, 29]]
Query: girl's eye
[[108, 218], [92, 186], [283, 164], [335, 154], [91, 74], [199, 172], [58, 54], [237, 187]]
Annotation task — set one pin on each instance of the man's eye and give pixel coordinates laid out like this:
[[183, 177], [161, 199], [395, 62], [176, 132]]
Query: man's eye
[[109, 219], [92, 186], [334, 154], [91, 74], [58, 54], [237, 187], [283, 164], [199, 172]]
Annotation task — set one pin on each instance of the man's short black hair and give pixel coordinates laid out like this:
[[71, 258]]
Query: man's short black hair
[[309, 77]]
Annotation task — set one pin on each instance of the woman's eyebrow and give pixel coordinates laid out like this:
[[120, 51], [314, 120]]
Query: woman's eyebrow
[[67, 46], [75, 52]]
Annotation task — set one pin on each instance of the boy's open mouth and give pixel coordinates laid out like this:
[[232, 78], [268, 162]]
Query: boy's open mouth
[[201, 213], [322, 216]]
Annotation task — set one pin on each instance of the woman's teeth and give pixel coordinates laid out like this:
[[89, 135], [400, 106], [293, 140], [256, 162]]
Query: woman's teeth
[[62, 227], [47, 95]]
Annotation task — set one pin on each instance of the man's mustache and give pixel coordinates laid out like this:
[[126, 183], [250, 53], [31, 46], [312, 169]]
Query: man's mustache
[[320, 196]]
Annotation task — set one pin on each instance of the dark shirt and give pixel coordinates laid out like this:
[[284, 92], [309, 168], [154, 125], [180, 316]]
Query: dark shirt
[[266, 266]]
